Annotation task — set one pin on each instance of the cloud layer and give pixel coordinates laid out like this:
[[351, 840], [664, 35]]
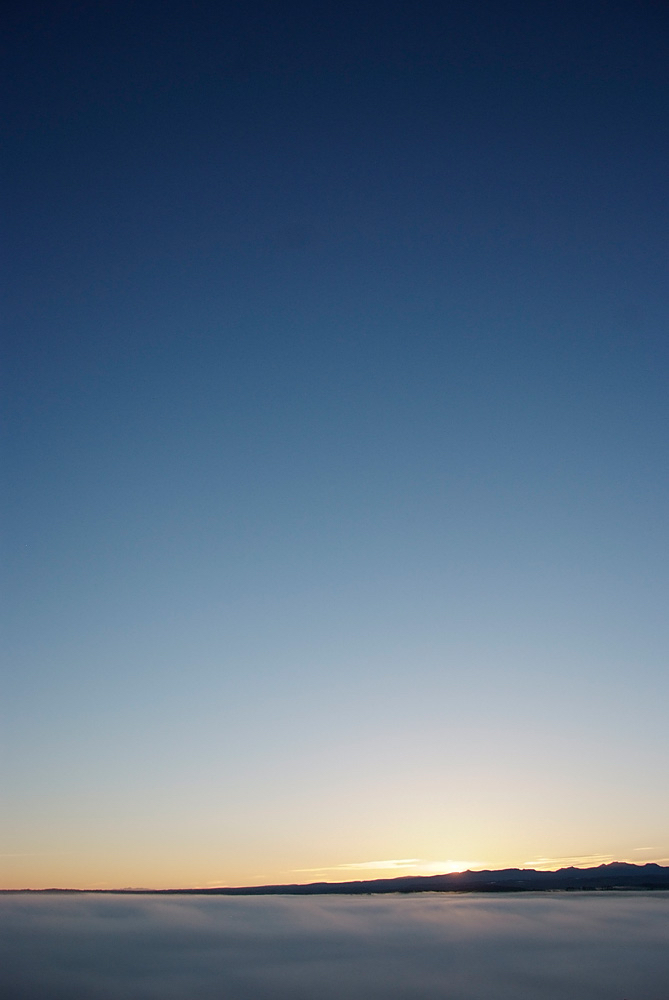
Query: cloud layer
[[529, 947]]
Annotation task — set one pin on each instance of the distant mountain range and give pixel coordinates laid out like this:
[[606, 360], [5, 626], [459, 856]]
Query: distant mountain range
[[617, 875]]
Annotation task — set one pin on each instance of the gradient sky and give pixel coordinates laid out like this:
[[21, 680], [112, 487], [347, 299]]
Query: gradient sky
[[336, 396]]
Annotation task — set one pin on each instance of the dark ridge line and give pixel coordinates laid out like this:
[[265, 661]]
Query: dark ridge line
[[616, 875]]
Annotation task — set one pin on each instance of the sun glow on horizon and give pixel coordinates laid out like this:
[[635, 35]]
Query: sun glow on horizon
[[398, 866]]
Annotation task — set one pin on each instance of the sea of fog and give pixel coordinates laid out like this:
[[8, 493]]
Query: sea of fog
[[530, 946]]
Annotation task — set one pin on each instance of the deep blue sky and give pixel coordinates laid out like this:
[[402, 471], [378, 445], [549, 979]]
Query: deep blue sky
[[336, 381]]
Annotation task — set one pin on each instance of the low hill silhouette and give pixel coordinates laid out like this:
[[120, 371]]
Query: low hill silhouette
[[616, 875]]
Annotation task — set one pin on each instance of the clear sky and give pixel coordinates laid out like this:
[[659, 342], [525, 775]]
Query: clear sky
[[336, 394]]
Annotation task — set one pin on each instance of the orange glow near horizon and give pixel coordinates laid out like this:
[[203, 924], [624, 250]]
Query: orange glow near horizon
[[72, 874]]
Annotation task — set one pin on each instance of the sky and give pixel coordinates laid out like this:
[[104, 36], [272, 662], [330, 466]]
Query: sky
[[535, 946], [335, 391]]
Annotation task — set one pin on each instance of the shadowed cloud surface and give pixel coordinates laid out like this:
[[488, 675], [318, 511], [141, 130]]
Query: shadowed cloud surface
[[590, 946]]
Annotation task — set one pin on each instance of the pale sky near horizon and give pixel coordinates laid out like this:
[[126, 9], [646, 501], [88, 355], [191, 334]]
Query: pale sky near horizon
[[336, 394]]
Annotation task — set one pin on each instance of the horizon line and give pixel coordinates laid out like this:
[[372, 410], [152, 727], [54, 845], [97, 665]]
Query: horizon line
[[275, 886]]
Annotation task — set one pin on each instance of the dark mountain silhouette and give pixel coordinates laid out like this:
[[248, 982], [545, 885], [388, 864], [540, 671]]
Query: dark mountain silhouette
[[617, 875]]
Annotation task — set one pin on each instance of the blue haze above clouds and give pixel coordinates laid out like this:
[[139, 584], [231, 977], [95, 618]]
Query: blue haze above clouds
[[537, 947], [337, 402]]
